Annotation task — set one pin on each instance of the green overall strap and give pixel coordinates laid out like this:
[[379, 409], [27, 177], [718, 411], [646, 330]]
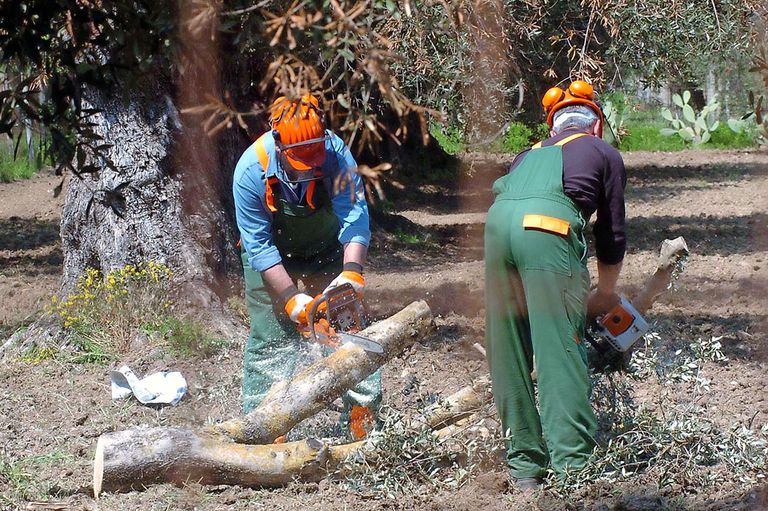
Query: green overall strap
[[539, 174]]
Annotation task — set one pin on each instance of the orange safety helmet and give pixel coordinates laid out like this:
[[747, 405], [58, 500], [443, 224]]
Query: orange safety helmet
[[578, 92], [299, 132]]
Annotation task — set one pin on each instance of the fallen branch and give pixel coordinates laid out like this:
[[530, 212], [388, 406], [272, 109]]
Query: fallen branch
[[136, 458], [670, 255]]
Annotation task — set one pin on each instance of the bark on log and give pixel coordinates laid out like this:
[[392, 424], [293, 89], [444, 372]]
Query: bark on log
[[136, 458], [289, 402]]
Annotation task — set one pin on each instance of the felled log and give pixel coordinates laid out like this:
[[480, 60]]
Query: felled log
[[672, 252], [289, 402], [139, 457], [145, 454]]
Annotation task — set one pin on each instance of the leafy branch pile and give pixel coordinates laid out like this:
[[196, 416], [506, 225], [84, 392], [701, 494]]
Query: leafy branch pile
[[675, 443], [406, 456]]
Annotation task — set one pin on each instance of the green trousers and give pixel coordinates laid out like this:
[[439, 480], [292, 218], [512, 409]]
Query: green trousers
[[275, 350], [536, 284]]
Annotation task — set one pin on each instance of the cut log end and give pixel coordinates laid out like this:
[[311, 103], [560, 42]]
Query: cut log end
[[98, 468], [671, 252]]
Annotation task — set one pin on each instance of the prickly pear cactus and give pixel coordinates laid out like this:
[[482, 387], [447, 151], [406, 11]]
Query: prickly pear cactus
[[691, 127]]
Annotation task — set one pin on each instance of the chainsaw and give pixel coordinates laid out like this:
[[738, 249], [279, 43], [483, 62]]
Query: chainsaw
[[344, 317], [613, 335]]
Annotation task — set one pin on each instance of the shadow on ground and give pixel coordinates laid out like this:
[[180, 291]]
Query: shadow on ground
[[27, 233]]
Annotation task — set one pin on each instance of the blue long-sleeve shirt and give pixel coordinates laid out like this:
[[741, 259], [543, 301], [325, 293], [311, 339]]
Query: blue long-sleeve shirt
[[254, 219]]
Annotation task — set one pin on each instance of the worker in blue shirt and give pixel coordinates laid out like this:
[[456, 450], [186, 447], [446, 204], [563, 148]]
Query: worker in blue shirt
[[302, 216]]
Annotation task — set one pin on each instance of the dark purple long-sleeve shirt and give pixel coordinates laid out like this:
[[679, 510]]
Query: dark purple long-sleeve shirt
[[594, 177]]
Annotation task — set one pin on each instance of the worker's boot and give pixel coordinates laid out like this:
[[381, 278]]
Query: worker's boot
[[361, 422]]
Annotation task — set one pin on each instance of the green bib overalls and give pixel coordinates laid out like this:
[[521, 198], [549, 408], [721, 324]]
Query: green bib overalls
[[536, 283], [307, 241]]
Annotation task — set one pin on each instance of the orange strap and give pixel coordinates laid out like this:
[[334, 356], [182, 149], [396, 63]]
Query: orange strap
[[563, 141], [261, 154], [547, 224], [311, 189]]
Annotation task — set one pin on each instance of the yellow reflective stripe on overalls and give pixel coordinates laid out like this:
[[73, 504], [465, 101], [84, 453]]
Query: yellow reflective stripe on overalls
[[547, 224], [564, 141], [261, 154]]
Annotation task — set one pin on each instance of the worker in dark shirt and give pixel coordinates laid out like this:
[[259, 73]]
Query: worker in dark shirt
[[537, 283]]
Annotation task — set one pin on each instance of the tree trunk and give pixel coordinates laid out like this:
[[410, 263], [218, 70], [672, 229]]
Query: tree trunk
[[167, 199], [138, 457], [289, 402]]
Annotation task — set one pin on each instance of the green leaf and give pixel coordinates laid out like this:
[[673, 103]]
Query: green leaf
[[347, 54], [714, 126], [701, 124], [705, 137], [735, 125], [688, 113], [686, 96], [667, 114], [668, 132], [676, 99], [686, 134]]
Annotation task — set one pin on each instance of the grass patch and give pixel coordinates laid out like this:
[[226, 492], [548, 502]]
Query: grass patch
[[18, 481], [188, 338], [646, 137], [19, 167], [108, 314], [414, 238], [725, 138], [14, 170], [450, 138]]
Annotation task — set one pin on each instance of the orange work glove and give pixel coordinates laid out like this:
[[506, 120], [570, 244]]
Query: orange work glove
[[348, 276], [298, 307]]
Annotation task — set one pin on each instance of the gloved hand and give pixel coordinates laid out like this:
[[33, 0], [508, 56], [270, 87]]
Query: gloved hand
[[348, 276], [297, 308]]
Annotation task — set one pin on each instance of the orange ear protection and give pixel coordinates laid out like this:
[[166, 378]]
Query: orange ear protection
[[578, 92]]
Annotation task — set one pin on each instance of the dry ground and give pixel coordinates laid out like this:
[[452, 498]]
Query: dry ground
[[52, 412]]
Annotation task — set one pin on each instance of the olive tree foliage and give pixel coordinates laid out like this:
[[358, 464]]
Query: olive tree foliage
[[384, 68], [659, 39]]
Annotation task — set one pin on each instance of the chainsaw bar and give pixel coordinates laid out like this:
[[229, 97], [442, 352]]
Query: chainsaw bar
[[359, 340], [344, 312]]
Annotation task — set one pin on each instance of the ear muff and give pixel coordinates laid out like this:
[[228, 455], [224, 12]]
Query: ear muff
[[581, 89], [552, 97]]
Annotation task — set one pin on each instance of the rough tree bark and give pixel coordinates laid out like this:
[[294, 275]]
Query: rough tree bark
[[168, 197]]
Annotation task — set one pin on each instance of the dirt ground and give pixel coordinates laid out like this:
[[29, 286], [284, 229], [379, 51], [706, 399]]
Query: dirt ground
[[52, 412]]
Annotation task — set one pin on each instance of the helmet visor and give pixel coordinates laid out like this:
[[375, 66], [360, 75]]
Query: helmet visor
[[305, 155]]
